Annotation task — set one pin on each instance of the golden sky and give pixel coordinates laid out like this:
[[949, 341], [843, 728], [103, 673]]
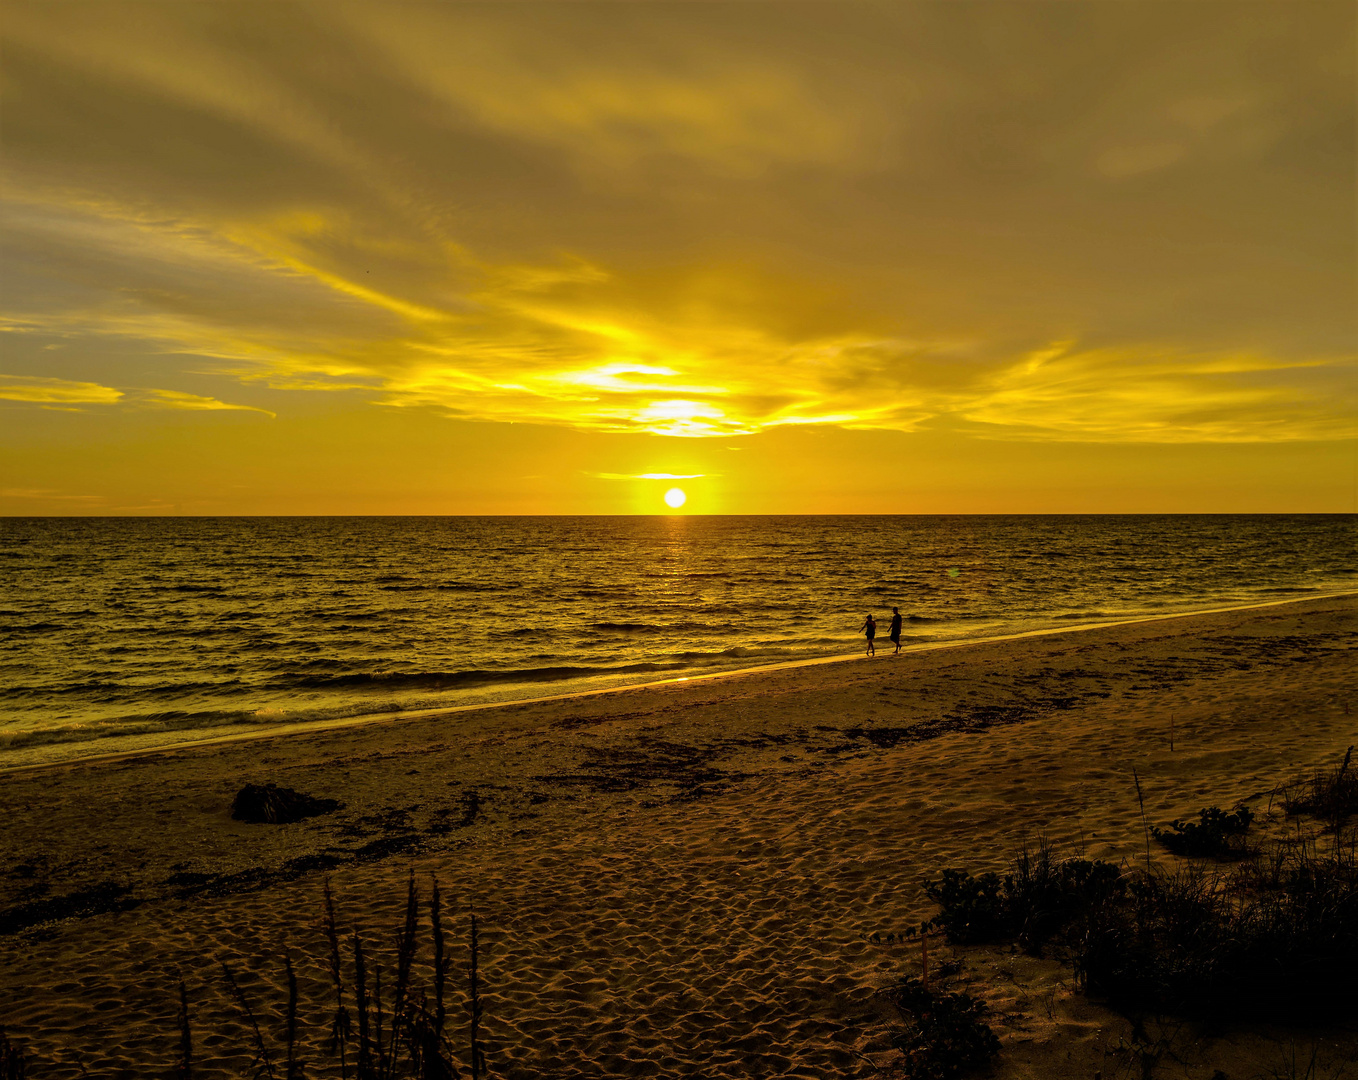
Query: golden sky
[[794, 258]]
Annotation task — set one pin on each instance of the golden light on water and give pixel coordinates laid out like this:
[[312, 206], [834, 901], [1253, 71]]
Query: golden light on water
[[675, 498]]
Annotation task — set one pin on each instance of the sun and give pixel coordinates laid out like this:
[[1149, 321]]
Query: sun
[[675, 498]]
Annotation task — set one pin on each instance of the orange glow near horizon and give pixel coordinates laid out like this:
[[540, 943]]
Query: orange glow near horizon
[[847, 259]]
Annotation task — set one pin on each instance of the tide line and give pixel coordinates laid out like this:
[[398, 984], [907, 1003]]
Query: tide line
[[314, 727]]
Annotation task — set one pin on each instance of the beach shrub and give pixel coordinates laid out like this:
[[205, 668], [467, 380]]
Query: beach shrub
[[1330, 794], [1279, 944], [945, 1035], [1032, 903], [1190, 944], [1215, 835]]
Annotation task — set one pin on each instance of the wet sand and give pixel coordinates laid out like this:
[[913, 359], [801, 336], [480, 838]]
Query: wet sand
[[689, 879]]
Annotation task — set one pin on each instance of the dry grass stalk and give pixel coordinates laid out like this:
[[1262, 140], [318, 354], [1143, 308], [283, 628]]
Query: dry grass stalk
[[440, 962], [262, 1058], [341, 1029], [364, 1065], [13, 1063], [1141, 802], [407, 1043], [478, 1058], [294, 1066], [184, 1067]]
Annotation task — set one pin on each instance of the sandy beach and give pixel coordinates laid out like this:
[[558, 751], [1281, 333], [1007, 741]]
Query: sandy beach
[[684, 880]]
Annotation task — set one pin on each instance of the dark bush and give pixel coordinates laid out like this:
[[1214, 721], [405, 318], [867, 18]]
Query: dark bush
[[1330, 794], [1279, 943], [1032, 903], [1186, 945], [1215, 835], [945, 1036], [974, 910]]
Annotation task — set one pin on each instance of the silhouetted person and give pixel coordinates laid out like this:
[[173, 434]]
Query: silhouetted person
[[870, 628], [896, 629]]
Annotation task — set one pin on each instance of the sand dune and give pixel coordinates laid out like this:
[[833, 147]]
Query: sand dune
[[678, 881]]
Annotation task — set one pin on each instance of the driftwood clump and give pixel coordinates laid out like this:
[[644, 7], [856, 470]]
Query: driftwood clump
[[268, 804]]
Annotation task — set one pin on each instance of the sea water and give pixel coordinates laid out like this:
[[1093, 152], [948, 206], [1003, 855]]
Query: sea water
[[135, 633]]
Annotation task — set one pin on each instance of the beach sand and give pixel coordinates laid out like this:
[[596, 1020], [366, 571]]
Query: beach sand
[[685, 880]]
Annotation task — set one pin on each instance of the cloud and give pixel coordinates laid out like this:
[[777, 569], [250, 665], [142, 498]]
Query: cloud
[[619, 93], [65, 392], [47, 494], [177, 399], [1121, 161], [1085, 223], [32, 388], [1158, 394], [649, 476]]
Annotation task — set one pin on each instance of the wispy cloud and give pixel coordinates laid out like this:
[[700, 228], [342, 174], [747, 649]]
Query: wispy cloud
[[648, 476], [32, 388], [67, 392], [47, 494], [177, 399]]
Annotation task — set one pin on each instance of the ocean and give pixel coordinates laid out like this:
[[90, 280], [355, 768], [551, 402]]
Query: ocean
[[136, 633]]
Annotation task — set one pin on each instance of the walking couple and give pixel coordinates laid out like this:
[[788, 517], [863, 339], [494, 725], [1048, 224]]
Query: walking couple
[[869, 627]]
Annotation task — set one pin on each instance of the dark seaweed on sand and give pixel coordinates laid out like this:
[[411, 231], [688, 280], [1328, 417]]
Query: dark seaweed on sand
[[268, 804], [97, 899]]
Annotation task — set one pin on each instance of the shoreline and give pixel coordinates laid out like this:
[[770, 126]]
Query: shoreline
[[709, 878], [283, 731]]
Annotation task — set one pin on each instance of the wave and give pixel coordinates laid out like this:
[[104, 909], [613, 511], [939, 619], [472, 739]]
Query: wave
[[326, 617], [684, 627], [112, 689], [141, 724], [454, 680], [454, 586]]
